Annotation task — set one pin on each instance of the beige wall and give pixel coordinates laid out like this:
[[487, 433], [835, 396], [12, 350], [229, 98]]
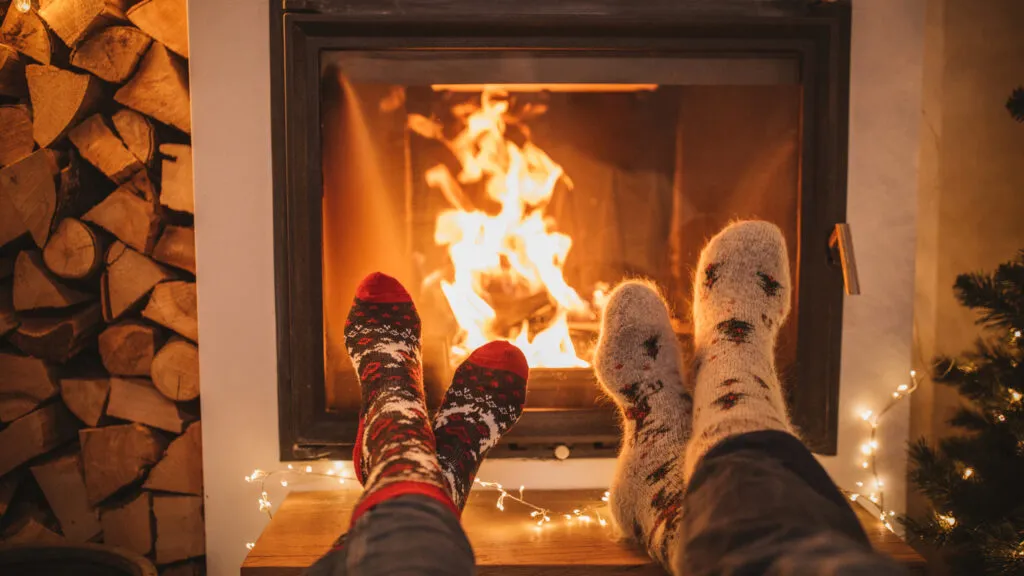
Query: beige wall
[[971, 202]]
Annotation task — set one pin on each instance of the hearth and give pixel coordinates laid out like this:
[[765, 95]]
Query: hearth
[[510, 164]]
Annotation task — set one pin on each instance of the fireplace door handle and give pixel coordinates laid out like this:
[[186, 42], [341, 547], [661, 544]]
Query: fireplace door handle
[[840, 245]]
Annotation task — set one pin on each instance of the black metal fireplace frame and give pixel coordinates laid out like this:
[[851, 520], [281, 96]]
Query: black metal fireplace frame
[[817, 35]]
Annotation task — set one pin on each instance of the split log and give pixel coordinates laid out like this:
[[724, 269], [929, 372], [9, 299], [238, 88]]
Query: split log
[[176, 178], [59, 100], [128, 278], [74, 251], [159, 89], [34, 434], [29, 189], [181, 469], [173, 305], [12, 73], [8, 486], [165, 20], [25, 383], [127, 348], [115, 456], [85, 397], [129, 526], [73, 20], [64, 487], [137, 133], [32, 532], [26, 33], [8, 317], [175, 370], [141, 186], [177, 247], [136, 400], [58, 339], [180, 532], [103, 149], [112, 53], [16, 126], [131, 219], [36, 287]]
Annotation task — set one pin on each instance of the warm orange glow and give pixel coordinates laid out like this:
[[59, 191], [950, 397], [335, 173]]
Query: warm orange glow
[[516, 252]]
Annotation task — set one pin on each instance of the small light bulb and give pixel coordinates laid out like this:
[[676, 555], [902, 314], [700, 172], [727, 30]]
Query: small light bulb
[[250, 545], [1016, 333], [902, 388], [330, 472], [341, 480], [874, 444], [290, 467], [603, 522], [896, 395], [864, 465], [284, 483], [879, 483], [866, 415], [853, 497], [309, 469], [248, 479], [968, 472], [860, 484], [891, 513], [865, 449], [1015, 395], [913, 373], [1000, 417]]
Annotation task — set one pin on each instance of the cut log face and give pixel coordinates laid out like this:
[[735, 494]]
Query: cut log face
[[12, 73], [165, 20], [58, 339], [8, 317], [181, 469], [28, 193], [127, 348], [137, 133], [85, 397], [116, 456], [73, 20], [36, 287], [159, 89], [128, 278], [131, 219], [175, 370], [25, 383], [103, 149], [112, 53], [129, 525], [64, 487], [16, 126], [173, 304], [26, 33], [137, 400], [179, 528], [177, 247], [34, 434], [59, 100], [176, 181], [74, 251]]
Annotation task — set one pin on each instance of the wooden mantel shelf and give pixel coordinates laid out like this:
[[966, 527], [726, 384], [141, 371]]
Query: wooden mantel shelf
[[307, 523]]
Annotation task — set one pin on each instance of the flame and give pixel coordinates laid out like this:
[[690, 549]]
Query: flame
[[515, 252]]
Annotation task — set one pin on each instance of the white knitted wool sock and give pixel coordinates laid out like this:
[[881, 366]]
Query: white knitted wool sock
[[637, 362], [740, 298]]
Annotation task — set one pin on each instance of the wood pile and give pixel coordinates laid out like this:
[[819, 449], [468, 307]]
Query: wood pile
[[100, 438]]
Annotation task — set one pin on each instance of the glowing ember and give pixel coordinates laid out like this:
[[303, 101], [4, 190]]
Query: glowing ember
[[512, 257]]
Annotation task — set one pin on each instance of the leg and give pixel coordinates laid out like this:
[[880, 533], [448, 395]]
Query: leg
[[637, 362], [757, 501]]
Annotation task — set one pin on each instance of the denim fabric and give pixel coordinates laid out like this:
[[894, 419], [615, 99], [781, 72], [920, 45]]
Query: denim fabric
[[760, 503], [405, 536]]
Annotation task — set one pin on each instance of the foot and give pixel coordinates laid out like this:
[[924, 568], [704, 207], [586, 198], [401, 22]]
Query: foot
[[741, 298], [637, 363], [395, 448], [484, 401]]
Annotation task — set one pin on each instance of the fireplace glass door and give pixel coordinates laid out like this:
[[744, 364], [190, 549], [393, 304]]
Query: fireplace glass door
[[510, 190]]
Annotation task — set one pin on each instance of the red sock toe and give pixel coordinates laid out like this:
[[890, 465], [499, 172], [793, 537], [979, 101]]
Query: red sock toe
[[501, 355], [378, 287]]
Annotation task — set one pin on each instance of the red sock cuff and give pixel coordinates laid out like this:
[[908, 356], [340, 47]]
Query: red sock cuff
[[379, 287], [401, 489], [501, 355]]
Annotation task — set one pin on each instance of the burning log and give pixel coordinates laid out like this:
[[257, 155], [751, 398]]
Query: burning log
[[511, 314], [112, 53]]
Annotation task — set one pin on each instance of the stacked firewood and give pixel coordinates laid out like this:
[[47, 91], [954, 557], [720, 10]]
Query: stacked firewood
[[100, 438]]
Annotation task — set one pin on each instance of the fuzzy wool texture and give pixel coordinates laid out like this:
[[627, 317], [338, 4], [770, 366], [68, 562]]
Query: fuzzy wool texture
[[396, 442], [741, 297], [638, 363]]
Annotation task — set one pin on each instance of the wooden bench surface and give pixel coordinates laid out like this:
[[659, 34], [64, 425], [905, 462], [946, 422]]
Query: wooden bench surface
[[307, 523]]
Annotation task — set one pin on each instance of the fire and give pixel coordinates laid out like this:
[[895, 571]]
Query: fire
[[514, 256]]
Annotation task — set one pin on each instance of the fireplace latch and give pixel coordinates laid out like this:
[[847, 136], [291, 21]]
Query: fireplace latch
[[840, 245]]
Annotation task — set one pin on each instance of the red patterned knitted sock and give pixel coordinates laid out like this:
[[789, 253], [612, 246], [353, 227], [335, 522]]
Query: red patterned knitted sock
[[484, 401], [395, 450]]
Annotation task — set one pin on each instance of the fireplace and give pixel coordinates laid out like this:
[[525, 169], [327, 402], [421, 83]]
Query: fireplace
[[510, 164]]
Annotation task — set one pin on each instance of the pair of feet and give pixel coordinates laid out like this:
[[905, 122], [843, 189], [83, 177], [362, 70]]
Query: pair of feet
[[741, 297], [399, 449]]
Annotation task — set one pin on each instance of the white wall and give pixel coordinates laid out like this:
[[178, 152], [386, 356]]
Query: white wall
[[231, 142]]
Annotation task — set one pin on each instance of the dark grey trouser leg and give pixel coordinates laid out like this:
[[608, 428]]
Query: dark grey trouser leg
[[405, 536], [759, 503]]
